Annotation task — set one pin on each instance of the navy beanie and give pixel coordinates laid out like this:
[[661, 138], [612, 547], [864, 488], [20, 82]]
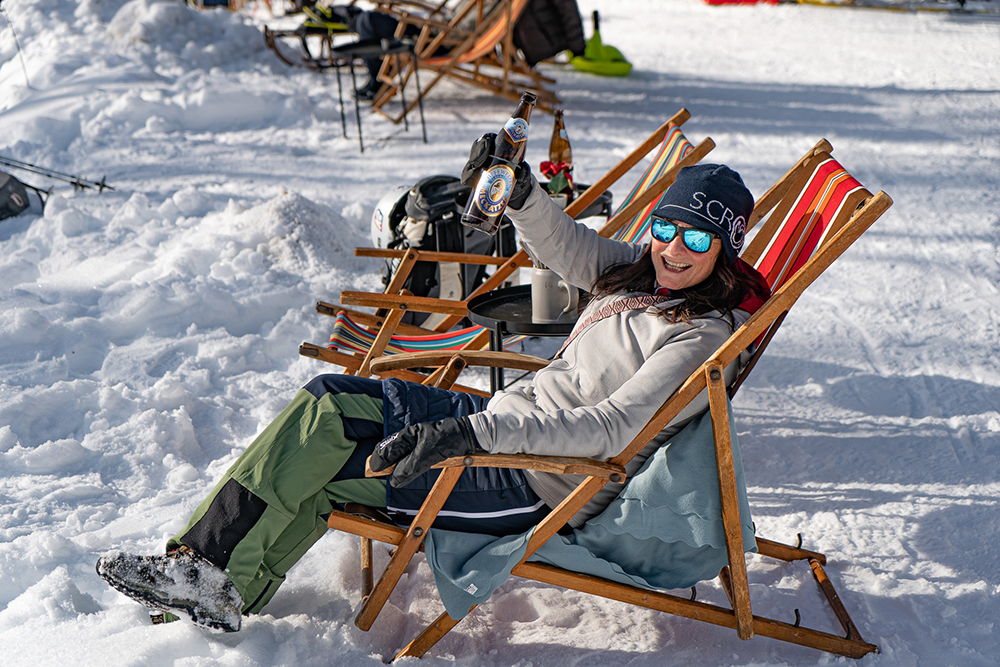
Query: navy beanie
[[710, 197]]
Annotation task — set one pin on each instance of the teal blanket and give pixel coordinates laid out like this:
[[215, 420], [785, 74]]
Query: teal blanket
[[664, 531]]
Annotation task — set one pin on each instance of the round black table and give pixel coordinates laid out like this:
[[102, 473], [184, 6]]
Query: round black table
[[507, 311]]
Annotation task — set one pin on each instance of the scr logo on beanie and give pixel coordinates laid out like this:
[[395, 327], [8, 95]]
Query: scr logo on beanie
[[734, 226]]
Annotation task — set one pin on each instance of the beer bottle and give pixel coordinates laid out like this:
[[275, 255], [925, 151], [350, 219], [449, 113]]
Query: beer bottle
[[488, 201], [560, 154], [559, 150]]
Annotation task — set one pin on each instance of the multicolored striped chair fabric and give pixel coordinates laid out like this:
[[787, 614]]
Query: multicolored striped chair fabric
[[350, 337], [674, 147]]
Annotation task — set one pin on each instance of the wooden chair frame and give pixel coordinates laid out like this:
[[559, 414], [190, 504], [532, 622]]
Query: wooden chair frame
[[392, 304], [848, 226], [323, 58], [484, 57]]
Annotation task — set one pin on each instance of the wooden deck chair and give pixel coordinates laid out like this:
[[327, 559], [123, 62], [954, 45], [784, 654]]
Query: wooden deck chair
[[813, 215], [322, 24], [484, 57], [671, 151]]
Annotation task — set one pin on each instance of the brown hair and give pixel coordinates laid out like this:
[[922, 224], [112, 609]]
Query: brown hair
[[724, 289]]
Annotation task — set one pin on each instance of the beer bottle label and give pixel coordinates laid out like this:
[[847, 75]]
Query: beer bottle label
[[494, 189], [516, 129]]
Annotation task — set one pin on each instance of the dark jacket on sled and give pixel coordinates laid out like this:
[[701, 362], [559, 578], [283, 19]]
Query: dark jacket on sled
[[548, 27]]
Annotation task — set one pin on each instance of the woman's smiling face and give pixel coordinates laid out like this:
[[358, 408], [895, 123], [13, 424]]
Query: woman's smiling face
[[677, 266]]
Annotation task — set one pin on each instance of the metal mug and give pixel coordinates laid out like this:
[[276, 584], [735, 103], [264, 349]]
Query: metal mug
[[552, 298]]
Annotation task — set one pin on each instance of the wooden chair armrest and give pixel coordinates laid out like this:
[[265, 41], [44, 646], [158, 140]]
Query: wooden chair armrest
[[512, 360], [432, 256], [556, 465], [443, 28], [421, 304], [395, 6]]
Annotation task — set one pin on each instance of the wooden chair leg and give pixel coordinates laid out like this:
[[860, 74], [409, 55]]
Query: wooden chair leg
[[426, 639], [831, 596], [718, 404], [401, 274], [367, 579], [381, 340], [407, 548]]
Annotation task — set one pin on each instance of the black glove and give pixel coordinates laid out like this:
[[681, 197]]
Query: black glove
[[417, 448], [480, 156]]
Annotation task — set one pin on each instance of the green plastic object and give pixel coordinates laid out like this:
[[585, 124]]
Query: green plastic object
[[599, 58], [602, 68]]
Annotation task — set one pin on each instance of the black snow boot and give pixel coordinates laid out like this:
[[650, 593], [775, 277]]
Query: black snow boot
[[181, 582], [366, 93]]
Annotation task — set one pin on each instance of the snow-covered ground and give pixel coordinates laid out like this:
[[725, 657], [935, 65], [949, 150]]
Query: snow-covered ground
[[147, 333]]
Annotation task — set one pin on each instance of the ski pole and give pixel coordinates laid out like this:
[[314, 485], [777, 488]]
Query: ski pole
[[77, 181], [17, 44], [43, 195]]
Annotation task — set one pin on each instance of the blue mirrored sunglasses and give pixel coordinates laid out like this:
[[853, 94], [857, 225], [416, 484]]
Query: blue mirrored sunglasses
[[696, 240]]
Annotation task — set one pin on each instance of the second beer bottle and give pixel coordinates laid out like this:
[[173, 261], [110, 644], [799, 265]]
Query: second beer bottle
[[488, 201]]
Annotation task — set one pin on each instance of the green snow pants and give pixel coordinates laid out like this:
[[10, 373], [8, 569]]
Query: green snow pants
[[271, 506]]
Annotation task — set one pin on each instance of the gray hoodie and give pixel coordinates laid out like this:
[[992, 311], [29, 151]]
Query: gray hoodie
[[612, 377]]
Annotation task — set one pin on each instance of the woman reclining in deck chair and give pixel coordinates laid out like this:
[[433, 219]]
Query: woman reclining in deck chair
[[659, 311]]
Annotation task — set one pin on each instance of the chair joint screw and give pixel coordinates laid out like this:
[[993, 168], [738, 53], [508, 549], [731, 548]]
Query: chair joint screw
[[468, 461], [715, 374], [615, 477], [418, 531]]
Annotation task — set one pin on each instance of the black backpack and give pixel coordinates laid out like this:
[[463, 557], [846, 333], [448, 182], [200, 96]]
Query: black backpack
[[13, 196], [428, 217]]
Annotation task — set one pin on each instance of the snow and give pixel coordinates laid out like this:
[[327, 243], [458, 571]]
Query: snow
[[149, 332]]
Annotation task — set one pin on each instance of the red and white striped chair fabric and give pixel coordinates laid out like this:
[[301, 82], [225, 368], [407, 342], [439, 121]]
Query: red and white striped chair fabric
[[821, 208]]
